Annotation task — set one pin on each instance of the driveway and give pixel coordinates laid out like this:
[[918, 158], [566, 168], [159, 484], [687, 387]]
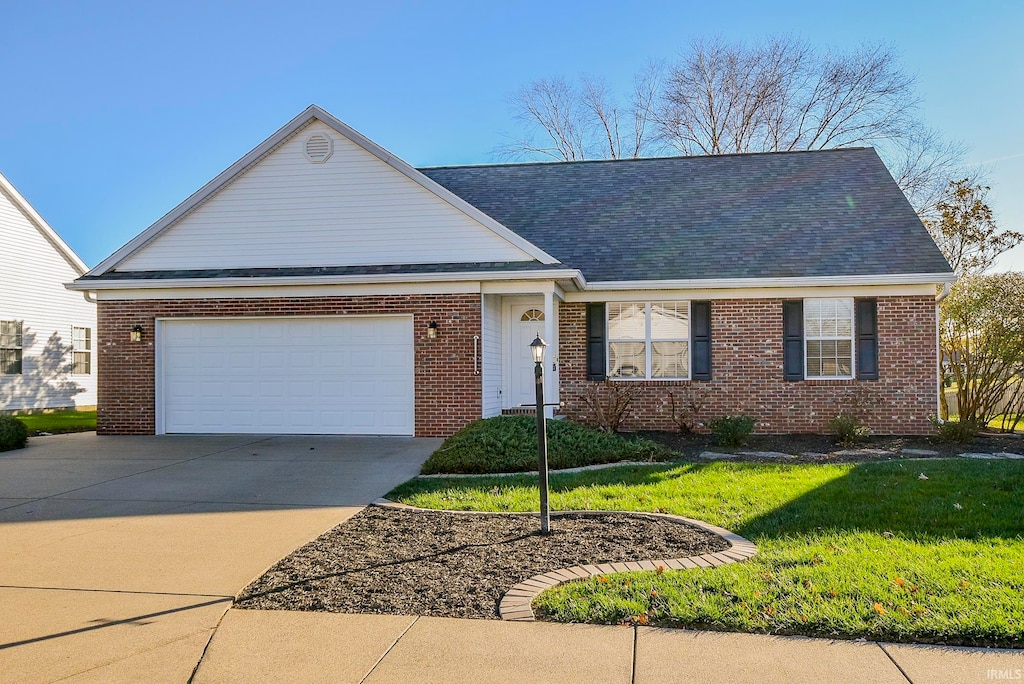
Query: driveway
[[120, 555]]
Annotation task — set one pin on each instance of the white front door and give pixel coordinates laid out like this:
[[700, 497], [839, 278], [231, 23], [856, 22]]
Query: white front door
[[527, 323]]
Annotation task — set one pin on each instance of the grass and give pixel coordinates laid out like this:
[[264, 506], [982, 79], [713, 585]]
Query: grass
[[59, 422], [509, 444], [997, 422], [856, 550]]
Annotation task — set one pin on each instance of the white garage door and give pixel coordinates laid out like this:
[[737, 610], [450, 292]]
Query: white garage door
[[320, 375]]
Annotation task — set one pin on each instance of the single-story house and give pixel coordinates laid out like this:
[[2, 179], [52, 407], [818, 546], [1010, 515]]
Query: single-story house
[[322, 285], [47, 340]]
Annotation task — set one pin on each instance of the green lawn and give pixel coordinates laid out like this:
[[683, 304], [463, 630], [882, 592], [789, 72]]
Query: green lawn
[[857, 550], [59, 421]]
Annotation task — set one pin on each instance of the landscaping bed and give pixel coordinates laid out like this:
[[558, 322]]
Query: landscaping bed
[[925, 551], [386, 560], [826, 449]]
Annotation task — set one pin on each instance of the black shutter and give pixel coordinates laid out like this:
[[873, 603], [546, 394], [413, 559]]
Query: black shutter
[[596, 365], [793, 339], [700, 332], [867, 339]]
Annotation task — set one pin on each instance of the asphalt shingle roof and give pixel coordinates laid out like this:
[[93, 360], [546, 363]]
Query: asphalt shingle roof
[[798, 214]]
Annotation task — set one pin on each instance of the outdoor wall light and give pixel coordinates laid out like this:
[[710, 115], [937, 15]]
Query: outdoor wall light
[[136, 334], [432, 330]]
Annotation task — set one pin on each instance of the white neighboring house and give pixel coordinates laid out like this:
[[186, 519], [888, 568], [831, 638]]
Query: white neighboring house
[[47, 333]]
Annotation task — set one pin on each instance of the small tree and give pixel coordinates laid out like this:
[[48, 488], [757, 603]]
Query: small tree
[[966, 231], [982, 340]]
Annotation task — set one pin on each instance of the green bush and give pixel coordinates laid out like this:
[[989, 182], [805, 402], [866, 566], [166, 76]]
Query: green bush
[[848, 429], [732, 431], [13, 433], [956, 431], [507, 444]]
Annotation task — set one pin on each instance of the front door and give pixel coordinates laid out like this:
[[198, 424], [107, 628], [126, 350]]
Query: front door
[[527, 323]]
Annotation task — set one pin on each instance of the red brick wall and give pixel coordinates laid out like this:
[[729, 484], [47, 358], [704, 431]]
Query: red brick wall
[[746, 371], [448, 394]]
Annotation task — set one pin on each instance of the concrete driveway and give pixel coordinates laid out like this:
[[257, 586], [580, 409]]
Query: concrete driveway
[[120, 555]]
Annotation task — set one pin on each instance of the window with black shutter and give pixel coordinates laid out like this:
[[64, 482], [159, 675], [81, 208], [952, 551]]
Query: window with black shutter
[[596, 364], [867, 339]]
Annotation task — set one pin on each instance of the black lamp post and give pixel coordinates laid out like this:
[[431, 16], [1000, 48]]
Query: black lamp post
[[537, 347]]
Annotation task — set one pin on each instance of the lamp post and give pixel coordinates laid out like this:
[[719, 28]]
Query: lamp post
[[537, 348]]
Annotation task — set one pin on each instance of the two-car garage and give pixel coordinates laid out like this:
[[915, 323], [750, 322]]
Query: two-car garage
[[288, 375]]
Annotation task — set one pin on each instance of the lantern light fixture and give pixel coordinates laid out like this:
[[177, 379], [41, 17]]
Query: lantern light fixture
[[432, 330], [136, 334]]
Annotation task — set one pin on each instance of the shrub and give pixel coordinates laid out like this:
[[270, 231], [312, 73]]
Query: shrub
[[13, 433], [847, 429], [956, 431], [732, 430], [509, 444], [605, 403]]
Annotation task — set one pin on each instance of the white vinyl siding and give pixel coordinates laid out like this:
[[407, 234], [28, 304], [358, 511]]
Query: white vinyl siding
[[828, 339], [321, 375], [32, 277], [352, 209], [649, 340], [490, 347]]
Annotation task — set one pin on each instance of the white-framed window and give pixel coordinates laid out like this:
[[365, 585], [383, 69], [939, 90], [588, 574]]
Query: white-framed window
[[10, 347], [649, 340], [828, 339], [81, 351]]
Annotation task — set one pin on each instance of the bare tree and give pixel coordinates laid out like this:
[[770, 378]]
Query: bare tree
[[966, 231], [568, 122], [718, 98]]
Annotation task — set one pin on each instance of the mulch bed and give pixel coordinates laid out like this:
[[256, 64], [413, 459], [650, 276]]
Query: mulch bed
[[393, 561], [824, 449]]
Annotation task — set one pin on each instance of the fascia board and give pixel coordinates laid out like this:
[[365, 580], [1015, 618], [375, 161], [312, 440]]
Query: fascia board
[[171, 283], [817, 281]]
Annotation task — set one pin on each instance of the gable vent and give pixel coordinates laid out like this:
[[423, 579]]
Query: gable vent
[[319, 148]]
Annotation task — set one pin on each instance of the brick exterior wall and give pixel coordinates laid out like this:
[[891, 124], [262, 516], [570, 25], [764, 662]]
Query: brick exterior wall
[[448, 394], [746, 371]]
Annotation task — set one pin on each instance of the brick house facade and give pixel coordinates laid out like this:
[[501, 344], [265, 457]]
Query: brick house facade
[[323, 279], [747, 373], [447, 393]]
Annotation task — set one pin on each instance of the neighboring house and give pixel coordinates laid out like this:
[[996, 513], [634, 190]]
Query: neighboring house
[[322, 285], [47, 334]]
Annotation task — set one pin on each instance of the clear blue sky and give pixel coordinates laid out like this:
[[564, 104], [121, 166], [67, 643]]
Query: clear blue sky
[[112, 113]]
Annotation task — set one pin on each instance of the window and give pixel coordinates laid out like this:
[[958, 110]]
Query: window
[[81, 351], [532, 315], [649, 340], [828, 338], [10, 348]]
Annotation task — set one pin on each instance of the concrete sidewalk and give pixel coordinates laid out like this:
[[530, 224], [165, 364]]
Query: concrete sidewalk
[[276, 646]]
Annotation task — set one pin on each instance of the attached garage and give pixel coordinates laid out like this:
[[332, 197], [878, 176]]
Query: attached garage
[[289, 375]]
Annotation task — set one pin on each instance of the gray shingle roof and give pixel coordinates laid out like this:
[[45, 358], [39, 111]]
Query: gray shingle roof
[[797, 214]]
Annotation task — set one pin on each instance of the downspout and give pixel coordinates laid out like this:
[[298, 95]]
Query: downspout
[[941, 399]]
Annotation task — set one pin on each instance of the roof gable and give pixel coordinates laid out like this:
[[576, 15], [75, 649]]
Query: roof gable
[[277, 208], [828, 213], [60, 247]]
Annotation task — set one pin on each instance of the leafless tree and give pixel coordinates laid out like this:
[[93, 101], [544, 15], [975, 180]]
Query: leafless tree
[[782, 94], [572, 122]]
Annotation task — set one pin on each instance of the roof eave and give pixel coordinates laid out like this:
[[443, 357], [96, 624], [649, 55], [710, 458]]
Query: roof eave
[[805, 281], [98, 284]]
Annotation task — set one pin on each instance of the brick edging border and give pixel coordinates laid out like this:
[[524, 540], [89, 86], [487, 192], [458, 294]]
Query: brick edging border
[[516, 604]]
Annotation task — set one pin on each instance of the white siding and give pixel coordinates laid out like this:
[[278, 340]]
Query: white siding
[[491, 349], [32, 273], [351, 210]]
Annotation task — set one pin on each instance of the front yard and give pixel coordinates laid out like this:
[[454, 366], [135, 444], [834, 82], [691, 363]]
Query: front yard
[[906, 550]]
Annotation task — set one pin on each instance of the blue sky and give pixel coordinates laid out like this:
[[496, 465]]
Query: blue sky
[[113, 113]]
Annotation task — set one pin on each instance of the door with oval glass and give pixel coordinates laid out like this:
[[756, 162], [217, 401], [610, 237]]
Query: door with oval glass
[[527, 323]]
